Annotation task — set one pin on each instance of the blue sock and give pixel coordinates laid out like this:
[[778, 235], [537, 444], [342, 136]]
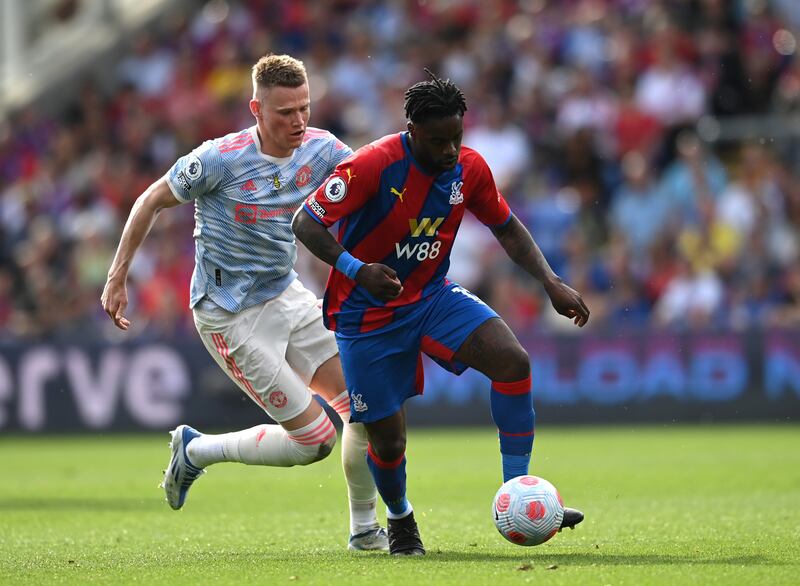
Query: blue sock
[[390, 478], [512, 411]]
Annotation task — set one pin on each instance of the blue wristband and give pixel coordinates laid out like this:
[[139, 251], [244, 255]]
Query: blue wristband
[[348, 265]]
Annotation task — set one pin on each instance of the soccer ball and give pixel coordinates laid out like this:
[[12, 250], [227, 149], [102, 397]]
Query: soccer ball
[[527, 510]]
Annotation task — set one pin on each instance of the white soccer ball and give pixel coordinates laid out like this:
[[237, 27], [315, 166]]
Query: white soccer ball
[[527, 510]]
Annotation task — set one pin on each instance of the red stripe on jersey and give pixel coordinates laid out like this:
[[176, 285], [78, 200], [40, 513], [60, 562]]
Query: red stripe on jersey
[[519, 387], [312, 133], [235, 147], [341, 287], [480, 192], [376, 317], [420, 276], [236, 143], [380, 242], [239, 136], [436, 349], [242, 136]]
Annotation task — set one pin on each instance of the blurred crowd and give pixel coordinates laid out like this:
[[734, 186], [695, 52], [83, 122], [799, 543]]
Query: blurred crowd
[[599, 119]]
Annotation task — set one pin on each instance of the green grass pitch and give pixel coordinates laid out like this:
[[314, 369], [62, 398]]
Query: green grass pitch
[[663, 504]]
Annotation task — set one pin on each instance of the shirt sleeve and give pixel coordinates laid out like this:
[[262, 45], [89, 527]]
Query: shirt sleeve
[[352, 184], [198, 173], [486, 202], [338, 153]]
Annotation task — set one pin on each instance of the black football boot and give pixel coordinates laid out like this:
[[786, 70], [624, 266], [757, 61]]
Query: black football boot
[[571, 518], [404, 537]]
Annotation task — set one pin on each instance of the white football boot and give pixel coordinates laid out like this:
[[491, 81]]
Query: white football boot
[[180, 473], [369, 540]]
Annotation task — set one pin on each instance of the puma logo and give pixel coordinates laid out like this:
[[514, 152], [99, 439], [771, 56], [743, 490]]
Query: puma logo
[[399, 194]]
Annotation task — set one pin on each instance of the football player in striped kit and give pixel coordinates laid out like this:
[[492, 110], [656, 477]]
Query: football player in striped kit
[[256, 319], [399, 202]]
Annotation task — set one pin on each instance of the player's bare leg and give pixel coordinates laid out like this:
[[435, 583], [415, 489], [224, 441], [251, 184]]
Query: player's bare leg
[[365, 531], [494, 350]]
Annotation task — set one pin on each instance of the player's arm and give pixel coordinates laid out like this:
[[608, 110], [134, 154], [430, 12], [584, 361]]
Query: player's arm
[[350, 186], [143, 214], [523, 250], [380, 280]]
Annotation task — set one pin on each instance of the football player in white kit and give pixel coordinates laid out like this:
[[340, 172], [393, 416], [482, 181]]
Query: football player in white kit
[[256, 319]]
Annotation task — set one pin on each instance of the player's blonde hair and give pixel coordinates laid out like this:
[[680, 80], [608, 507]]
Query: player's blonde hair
[[278, 70]]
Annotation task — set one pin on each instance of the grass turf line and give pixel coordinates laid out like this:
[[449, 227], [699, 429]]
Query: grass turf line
[[664, 505]]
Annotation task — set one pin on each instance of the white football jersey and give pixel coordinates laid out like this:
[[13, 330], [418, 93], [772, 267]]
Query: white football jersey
[[244, 202]]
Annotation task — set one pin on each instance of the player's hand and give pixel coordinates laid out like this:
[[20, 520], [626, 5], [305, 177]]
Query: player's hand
[[567, 301], [115, 301], [380, 280]]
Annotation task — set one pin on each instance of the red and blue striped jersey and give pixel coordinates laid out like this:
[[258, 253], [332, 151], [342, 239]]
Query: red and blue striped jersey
[[392, 212]]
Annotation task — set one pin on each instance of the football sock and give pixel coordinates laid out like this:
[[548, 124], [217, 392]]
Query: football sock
[[266, 445], [390, 478], [360, 484], [204, 450], [512, 411]]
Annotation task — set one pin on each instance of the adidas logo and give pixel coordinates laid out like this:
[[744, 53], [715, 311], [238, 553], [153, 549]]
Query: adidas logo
[[250, 185]]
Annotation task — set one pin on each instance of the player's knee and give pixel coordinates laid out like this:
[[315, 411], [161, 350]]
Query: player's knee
[[389, 449], [516, 364], [324, 448], [310, 453]]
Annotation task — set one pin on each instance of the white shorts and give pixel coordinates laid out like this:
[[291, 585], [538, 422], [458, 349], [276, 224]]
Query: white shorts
[[272, 350]]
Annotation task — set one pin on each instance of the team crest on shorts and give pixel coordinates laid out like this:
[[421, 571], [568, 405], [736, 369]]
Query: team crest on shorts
[[359, 405], [278, 399]]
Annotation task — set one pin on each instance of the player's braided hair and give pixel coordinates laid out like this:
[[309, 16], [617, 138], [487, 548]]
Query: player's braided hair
[[437, 98]]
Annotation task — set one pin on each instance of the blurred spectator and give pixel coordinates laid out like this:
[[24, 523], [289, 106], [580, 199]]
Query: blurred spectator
[[635, 129], [754, 302], [586, 106], [149, 68], [638, 209], [228, 78], [691, 299], [694, 176], [710, 244], [582, 171], [576, 106], [503, 144], [669, 89], [585, 42], [787, 312]]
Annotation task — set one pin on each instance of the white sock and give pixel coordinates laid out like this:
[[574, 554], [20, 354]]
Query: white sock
[[360, 485], [265, 445]]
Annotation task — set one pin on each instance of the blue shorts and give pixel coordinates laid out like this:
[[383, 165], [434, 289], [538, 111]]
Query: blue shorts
[[383, 368]]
